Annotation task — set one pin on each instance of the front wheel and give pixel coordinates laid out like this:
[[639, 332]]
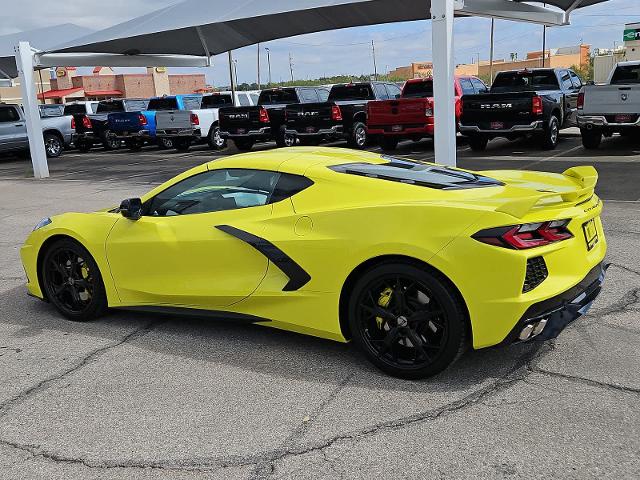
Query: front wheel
[[591, 139], [72, 282], [551, 134], [408, 321], [215, 141], [53, 145], [358, 136]]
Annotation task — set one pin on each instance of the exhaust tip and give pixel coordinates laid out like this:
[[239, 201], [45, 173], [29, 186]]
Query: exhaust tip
[[526, 332]]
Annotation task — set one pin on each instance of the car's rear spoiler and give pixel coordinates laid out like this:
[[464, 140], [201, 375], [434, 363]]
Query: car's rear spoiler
[[585, 178]]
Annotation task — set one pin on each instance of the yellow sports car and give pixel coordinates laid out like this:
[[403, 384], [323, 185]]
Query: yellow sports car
[[412, 261]]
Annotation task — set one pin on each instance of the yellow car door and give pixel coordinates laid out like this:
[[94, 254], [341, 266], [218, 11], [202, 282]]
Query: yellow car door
[[175, 254]]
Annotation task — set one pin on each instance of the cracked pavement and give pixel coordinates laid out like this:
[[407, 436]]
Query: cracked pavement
[[138, 396]]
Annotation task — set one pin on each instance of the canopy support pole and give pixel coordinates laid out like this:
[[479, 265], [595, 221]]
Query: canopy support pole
[[443, 81], [25, 64]]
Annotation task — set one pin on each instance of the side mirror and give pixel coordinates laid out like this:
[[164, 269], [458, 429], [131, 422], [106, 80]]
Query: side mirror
[[131, 208]]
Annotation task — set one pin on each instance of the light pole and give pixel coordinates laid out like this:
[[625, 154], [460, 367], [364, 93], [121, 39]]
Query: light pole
[[269, 62], [493, 25], [231, 77], [258, 66], [544, 42], [291, 65], [235, 70], [375, 67]]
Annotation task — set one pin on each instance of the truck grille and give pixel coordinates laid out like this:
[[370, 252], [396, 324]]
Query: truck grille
[[536, 273]]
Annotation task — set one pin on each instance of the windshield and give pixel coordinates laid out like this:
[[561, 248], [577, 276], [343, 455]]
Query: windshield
[[525, 81], [422, 89], [626, 74], [278, 97], [217, 101], [351, 92], [165, 103], [415, 173]]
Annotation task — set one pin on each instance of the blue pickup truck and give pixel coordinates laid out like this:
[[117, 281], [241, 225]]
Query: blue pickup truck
[[166, 103], [115, 121]]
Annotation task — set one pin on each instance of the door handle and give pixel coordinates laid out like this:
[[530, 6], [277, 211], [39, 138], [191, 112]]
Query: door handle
[[18, 125]]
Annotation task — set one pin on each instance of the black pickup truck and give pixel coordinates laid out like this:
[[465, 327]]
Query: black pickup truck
[[265, 121], [113, 122], [343, 115], [520, 103]]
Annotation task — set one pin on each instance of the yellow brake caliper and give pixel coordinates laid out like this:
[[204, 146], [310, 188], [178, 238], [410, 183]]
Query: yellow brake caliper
[[384, 301]]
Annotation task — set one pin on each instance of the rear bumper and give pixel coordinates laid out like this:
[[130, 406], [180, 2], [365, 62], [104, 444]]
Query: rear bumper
[[538, 125], [586, 121], [125, 135], [179, 133], [547, 319], [335, 131], [263, 134], [407, 131]]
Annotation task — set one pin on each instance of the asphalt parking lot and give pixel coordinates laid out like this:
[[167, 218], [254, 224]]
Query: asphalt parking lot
[[141, 396]]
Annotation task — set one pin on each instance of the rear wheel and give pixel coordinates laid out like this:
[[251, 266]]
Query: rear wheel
[[72, 282], [358, 136], [244, 144], [591, 139], [215, 141], [408, 321], [109, 141], [53, 145], [285, 140], [478, 143], [182, 144], [388, 143], [551, 134], [165, 143]]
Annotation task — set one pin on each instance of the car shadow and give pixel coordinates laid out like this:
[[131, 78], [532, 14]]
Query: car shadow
[[254, 348]]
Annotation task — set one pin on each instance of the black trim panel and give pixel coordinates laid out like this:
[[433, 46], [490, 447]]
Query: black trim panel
[[298, 277], [197, 313]]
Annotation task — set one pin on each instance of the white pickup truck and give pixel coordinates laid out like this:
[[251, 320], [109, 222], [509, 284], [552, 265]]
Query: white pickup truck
[[611, 108], [185, 127]]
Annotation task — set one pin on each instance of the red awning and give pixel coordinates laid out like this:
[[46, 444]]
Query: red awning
[[58, 93], [103, 93]]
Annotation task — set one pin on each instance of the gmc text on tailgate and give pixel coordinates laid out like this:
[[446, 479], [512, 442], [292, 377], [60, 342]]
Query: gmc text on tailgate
[[342, 116], [411, 115], [538, 102], [264, 122]]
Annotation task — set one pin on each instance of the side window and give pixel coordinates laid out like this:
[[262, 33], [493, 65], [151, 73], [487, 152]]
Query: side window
[[215, 191], [575, 79], [467, 87], [8, 114], [243, 100], [566, 80], [394, 91], [308, 95], [479, 85], [380, 91]]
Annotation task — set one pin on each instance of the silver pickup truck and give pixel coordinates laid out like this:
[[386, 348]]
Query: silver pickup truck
[[611, 108], [57, 129]]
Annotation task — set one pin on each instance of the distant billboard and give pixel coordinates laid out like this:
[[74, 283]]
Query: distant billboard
[[631, 34]]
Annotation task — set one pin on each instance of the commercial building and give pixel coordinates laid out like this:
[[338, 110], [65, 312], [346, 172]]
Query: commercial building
[[103, 83], [605, 59], [10, 91], [415, 70]]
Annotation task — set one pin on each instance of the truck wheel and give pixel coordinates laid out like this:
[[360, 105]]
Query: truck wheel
[[358, 137], [135, 145], [478, 143], [182, 144], [165, 143], [591, 139], [244, 145], [215, 141], [109, 141], [53, 145], [285, 140], [551, 134], [388, 143]]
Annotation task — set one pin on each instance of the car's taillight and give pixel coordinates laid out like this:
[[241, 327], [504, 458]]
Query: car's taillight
[[536, 107], [73, 123], [142, 119], [264, 115], [428, 111], [86, 122], [581, 100], [529, 235], [194, 119], [336, 113]]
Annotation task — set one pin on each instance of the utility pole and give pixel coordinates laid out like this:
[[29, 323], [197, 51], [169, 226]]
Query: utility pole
[[493, 26], [269, 62], [375, 67], [291, 65], [235, 70], [258, 66], [544, 42], [233, 83]]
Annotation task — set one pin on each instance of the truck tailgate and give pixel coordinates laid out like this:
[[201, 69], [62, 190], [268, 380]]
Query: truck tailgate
[[173, 120], [398, 112], [497, 110], [612, 99], [239, 120], [309, 117], [124, 122]]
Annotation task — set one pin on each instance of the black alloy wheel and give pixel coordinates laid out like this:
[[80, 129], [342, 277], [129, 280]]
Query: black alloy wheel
[[408, 321], [591, 139], [72, 281]]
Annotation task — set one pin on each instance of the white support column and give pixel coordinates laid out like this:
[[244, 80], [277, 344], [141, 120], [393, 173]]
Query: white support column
[[442, 12], [24, 61]]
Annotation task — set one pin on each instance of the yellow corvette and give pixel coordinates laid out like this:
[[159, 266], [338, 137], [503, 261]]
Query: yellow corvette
[[411, 261]]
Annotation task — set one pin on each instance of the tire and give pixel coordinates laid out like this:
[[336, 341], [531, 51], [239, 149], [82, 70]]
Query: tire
[[215, 141], [67, 267], [165, 143], [284, 140], [309, 141], [134, 145], [358, 136], [84, 147], [109, 142], [182, 144], [591, 139], [388, 143], [394, 307], [478, 143], [244, 145], [53, 145], [551, 134]]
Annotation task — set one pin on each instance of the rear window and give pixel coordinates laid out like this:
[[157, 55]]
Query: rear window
[[418, 89], [75, 109], [351, 92], [278, 97], [525, 81], [626, 74], [217, 101], [136, 105], [167, 103], [8, 114], [109, 107], [48, 111], [414, 173]]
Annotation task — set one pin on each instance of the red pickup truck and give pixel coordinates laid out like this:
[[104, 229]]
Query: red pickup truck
[[411, 115]]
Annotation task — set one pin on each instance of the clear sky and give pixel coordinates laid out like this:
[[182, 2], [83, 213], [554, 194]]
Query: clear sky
[[345, 51]]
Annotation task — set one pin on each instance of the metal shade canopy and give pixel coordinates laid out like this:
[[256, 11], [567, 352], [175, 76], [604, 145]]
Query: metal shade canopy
[[210, 27]]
